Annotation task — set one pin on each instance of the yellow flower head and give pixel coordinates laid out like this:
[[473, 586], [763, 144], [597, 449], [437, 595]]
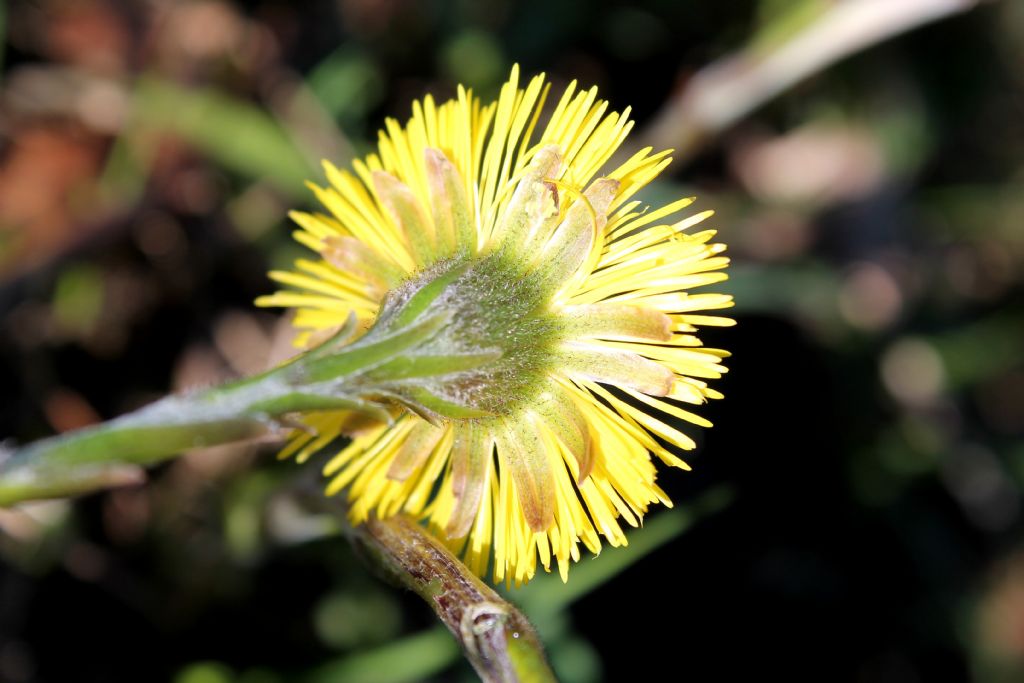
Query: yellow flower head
[[547, 337]]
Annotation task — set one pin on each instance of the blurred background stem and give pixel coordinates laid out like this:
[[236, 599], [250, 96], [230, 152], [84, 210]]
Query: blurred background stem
[[725, 91]]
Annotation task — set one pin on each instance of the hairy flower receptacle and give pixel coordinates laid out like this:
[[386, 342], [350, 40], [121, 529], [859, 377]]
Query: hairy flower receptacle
[[498, 338]]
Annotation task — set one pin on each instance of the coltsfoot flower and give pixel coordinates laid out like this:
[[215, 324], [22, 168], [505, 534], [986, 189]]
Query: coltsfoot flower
[[546, 329]]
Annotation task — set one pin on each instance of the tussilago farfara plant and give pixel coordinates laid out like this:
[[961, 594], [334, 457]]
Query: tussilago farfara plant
[[501, 328], [543, 317]]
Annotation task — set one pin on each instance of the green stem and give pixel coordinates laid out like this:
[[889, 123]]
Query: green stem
[[334, 376], [111, 453], [495, 637]]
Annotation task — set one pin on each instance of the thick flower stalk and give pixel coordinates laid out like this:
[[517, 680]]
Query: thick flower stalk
[[521, 324]]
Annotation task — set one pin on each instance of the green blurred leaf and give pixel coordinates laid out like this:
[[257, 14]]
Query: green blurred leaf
[[78, 298], [234, 133], [982, 349], [340, 619], [575, 660], [348, 84], [810, 289], [205, 672], [474, 58], [978, 212], [124, 177], [245, 503], [780, 20], [410, 659]]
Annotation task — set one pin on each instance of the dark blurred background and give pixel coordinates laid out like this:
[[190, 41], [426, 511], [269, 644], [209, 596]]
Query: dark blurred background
[[855, 514]]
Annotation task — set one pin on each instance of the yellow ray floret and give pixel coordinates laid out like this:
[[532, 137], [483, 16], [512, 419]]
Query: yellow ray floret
[[520, 466]]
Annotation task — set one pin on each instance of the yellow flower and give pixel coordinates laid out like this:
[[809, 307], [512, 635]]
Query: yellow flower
[[568, 334]]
